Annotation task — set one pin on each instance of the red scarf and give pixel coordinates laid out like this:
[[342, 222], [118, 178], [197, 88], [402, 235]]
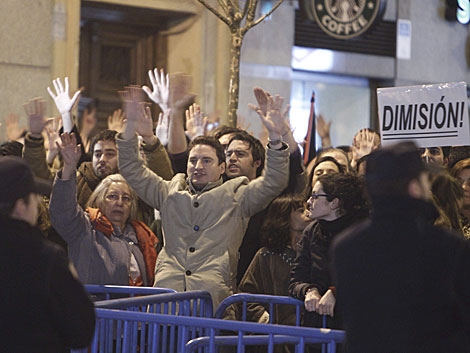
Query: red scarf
[[146, 239]]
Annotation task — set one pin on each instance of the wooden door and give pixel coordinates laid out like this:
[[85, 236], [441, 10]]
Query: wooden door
[[118, 45]]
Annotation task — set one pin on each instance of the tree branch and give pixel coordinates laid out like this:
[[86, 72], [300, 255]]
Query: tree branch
[[223, 18], [223, 5], [261, 19], [246, 7]]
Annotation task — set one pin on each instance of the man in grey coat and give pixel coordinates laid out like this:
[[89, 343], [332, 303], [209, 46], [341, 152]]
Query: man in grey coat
[[203, 218]]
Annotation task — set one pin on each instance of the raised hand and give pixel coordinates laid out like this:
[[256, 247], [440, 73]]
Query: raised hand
[[70, 152], [52, 132], [133, 101], [163, 125], [144, 124], [35, 110], [274, 120], [363, 144], [14, 131], [161, 88], [63, 101], [323, 127], [116, 121], [262, 98], [180, 97], [196, 122]]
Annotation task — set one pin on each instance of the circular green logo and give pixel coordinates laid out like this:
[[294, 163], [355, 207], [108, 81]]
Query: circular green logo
[[345, 19]]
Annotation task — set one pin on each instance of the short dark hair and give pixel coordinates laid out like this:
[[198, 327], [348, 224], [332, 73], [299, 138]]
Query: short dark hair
[[349, 189], [275, 230], [224, 130], [389, 170], [341, 170], [210, 141], [446, 151], [457, 153], [257, 150], [104, 135]]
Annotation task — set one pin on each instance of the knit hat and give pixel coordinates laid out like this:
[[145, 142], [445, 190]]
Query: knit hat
[[17, 180]]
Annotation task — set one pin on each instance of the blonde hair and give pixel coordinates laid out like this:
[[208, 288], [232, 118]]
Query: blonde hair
[[98, 197]]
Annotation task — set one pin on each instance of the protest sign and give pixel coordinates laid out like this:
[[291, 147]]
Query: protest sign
[[430, 115]]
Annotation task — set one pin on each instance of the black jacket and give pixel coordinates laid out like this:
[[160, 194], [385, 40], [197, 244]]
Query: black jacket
[[403, 284], [44, 308], [312, 266]]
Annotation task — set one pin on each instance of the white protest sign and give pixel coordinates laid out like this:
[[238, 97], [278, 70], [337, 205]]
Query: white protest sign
[[430, 115]]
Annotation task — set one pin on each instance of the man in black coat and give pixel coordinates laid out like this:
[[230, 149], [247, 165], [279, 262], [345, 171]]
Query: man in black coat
[[44, 308], [403, 284]]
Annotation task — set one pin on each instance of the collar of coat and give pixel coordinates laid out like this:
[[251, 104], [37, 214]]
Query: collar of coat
[[146, 239], [88, 174], [208, 186]]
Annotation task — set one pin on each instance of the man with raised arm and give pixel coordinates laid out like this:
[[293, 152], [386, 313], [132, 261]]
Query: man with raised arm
[[203, 219]]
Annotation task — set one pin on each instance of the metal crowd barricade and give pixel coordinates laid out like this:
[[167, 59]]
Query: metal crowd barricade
[[105, 292], [112, 336], [131, 332], [270, 302], [192, 303]]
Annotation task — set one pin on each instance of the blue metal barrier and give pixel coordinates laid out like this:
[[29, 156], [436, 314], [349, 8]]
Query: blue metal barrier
[[270, 301], [193, 303], [128, 332], [106, 292], [115, 336]]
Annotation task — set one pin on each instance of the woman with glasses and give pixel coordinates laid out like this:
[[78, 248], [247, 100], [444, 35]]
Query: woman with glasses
[[105, 242], [337, 201]]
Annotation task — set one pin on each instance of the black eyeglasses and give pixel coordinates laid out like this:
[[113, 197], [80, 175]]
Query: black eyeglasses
[[115, 197], [316, 196]]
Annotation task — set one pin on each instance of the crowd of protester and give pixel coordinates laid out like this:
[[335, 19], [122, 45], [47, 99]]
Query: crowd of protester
[[165, 201]]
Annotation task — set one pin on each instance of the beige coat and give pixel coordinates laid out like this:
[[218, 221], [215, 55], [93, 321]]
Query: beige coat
[[202, 230]]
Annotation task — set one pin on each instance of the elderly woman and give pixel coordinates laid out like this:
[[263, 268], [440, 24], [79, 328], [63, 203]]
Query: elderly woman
[[337, 201], [106, 244]]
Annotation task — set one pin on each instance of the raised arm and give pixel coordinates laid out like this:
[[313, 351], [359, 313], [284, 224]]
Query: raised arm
[[34, 149], [160, 91], [155, 154], [146, 183], [63, 101], [323, 130], [71, 154], [116, 121], [274, 105], [67, 217], [180, 98], [269, 104], [265, 188], [13, 128], [196, 122]]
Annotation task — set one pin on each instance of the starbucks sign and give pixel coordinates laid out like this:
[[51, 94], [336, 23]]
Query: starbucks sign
[[344, 19]]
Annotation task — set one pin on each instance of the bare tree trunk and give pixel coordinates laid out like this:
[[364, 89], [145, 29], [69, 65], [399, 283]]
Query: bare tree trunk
[[233, 15], [235, 52]]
